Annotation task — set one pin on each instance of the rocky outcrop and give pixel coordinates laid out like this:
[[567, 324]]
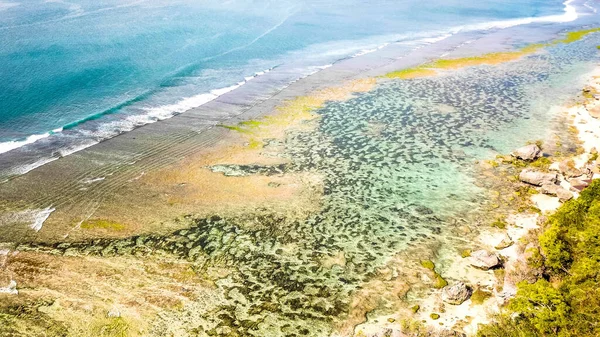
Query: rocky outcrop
[[537, 178], [527, 153], [557, 190], [456, 294], [482, 259]]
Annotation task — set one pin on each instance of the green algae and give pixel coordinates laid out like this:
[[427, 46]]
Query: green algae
[[428, 264], [479, 296]]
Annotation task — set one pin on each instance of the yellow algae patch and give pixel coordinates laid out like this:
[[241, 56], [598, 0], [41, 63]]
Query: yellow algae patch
[[420, 71], [577, 35], [102, 224], [293, 113], [432, 68]]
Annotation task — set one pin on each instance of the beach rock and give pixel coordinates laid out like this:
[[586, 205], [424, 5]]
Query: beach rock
[[456, 294], [505, 242], [11, 289], [482, 259], [577, 185], [568, 169], [537, 178], [558, 191], [528, 153]]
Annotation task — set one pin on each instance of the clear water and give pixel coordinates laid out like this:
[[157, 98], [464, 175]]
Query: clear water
[[96, 68]]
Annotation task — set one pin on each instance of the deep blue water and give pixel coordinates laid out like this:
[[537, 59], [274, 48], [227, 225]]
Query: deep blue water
[[123, 64]]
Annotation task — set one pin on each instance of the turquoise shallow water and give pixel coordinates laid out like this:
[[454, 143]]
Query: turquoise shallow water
[[88, 69]]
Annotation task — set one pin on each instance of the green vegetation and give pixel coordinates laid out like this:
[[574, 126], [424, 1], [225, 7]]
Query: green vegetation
[[465, 253], [434, 316], [415, 308], [111, 327], [566, 301]]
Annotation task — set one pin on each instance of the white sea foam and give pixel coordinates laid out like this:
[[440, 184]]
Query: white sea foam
[[9, 146], [570, 14], [40, 218]]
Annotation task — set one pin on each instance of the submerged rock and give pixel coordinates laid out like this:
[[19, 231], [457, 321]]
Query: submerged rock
[[456, 294], [482, 259], [537, 178], [528, 153]]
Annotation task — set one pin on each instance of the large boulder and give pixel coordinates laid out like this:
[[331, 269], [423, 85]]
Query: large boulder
[[528, 153], [456, 294], [482, 259], [537, 178]]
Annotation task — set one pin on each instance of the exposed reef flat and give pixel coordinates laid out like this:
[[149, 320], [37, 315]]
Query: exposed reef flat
[[328, 213]]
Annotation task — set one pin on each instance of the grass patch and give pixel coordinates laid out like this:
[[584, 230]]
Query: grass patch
[[102, 224], [111, 327]]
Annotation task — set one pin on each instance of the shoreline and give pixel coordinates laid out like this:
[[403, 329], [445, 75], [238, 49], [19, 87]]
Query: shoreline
[[232, 154], [491, 290]]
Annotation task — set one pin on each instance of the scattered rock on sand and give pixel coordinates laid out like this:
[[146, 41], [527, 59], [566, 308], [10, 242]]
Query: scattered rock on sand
[[558, 191], [11, 289], [529, 152], [505, 242], [537, 178], [579, 184], [482, 259], [568, 169], [456, 294]]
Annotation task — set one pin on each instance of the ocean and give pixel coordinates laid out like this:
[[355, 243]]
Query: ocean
[[76, 73]]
